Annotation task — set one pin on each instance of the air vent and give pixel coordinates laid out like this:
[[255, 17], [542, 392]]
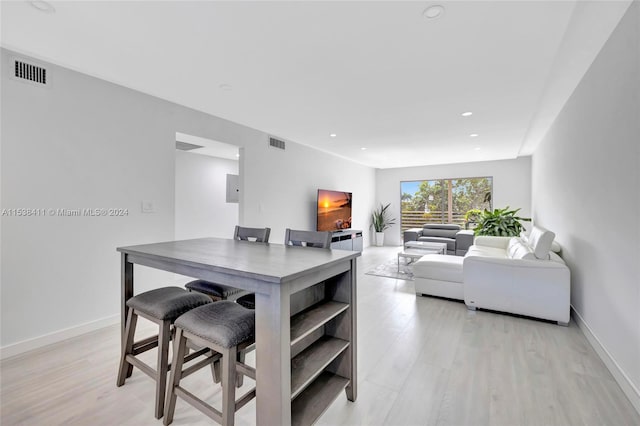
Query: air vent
[[183, 146], [276, 143], [29, 72]]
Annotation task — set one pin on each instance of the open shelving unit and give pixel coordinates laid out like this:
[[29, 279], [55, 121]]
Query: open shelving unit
[[321, 343]]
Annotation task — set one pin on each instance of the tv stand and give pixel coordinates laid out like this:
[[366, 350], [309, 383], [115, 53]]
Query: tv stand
[[349, 239]]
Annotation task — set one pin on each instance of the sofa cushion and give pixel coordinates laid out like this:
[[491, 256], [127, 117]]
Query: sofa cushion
[[445, 231], [486, 251], [439, 267], [540, 241], [449, 226], [517, 249]]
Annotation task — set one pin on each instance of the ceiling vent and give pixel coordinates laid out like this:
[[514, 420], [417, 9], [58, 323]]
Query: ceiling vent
[[183, 146], [25, 71], [276, 143]]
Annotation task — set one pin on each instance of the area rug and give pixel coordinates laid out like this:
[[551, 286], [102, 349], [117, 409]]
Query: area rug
[[389, 269]]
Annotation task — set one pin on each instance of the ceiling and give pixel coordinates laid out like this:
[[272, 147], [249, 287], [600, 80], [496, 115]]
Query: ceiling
[[388, 82]]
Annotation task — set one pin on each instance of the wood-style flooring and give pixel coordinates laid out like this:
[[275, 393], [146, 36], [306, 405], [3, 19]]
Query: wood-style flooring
[[422, 361]]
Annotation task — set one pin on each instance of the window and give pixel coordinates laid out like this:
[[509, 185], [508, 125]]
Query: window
[[443, 200]]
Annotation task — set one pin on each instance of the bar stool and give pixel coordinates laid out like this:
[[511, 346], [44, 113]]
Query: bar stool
[[220, 291], [293, 237], [223, 327], [161, 306]]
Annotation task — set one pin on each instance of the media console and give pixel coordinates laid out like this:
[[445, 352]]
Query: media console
[[349, 239]]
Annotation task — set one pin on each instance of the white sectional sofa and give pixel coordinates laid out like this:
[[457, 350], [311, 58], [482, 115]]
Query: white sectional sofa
[[517, 275]]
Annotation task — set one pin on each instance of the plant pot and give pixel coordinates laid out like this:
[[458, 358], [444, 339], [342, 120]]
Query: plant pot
[[379, 239]]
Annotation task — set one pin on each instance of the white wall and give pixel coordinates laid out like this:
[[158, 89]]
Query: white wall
[[85, 142], [511, 185], [586, 188], [201, 209], [284, 193]]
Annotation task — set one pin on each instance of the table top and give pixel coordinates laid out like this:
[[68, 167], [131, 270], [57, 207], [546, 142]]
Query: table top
[[266, 262]]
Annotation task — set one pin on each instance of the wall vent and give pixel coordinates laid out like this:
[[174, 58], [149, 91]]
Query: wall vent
[[26, 71], [183, 146], [276, 143]]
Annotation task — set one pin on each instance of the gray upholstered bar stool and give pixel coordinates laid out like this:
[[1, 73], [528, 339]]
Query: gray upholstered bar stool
[[293, 237], [223, 327], [220, 291], [162, 306]]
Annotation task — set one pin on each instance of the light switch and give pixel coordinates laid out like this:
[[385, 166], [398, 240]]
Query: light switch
[[148, 206]]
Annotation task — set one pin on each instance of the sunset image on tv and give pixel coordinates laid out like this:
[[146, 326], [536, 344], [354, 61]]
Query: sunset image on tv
[[334, 210]]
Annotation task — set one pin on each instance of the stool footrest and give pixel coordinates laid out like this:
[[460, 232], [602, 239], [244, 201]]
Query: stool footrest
[[131, 359], [145, 345], [246, 370], [196, 354], [199, 404], [197, 366], [244, 399]]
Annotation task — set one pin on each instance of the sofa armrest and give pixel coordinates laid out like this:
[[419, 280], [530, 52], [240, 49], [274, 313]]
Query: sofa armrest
[[537, 288], [489, 241], [464, 240], [412, 234]]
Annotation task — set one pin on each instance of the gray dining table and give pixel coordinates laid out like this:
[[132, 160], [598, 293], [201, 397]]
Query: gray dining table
[[306, 346]]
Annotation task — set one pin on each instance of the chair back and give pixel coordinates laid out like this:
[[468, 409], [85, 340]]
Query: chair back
[[258, 235], [314, 239]]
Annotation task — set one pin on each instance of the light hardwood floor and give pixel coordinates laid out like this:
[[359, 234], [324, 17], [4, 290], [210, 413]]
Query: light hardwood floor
[[422, 361]]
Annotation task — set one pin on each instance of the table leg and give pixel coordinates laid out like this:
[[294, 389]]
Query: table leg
[[352, 388], [126, 289], [273, 358], [126, 293]]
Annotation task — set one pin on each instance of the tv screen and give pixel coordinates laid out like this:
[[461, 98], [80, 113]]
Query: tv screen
[[334, 210]]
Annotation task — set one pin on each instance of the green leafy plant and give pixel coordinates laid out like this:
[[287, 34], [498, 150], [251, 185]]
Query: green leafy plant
[[473, 215], [500, 223], [380, 219]]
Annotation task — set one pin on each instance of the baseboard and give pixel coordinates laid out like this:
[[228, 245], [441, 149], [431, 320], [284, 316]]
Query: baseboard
[[629, 389], [55, 337]]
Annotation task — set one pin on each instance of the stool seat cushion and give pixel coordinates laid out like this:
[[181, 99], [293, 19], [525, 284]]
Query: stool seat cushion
[[439, 267], [248, 301], [167, 303], [224, 323], [212, 289]]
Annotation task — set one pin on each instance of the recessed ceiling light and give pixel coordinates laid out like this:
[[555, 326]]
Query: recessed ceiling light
[[238, 155], [225, 87], [332, 135], [433, 12], [477, 148], [473, 135], [467, 114], [363, 148], [42, 6]]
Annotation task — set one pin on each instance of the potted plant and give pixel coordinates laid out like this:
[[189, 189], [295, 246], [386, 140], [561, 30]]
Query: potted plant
[[380, 220], [500, 223], [472, 217]]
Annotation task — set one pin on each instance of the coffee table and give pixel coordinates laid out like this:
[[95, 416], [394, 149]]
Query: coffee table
[[414, 250]]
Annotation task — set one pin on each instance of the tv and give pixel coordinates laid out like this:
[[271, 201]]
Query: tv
[[334, 210]]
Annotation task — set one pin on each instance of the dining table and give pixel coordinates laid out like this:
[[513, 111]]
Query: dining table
[[305, 315]]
